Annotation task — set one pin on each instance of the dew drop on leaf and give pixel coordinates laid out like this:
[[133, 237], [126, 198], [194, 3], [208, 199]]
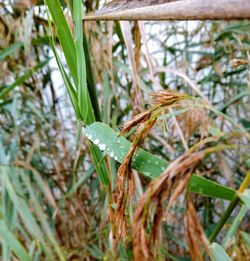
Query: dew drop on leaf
[[102, 146], [96, 141]]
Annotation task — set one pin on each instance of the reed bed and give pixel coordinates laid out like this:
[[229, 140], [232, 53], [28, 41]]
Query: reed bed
[[122, 140]]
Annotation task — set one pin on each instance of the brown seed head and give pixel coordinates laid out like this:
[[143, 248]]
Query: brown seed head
[[166, 98]]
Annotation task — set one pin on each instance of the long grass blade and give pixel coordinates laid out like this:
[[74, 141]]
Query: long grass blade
[[79, 96], [91, 84], [13, 243], [17, 196], [65, 36], [82, 90], [9, 50], [42, 217], [235, 225], [5, 90], [146, 163]]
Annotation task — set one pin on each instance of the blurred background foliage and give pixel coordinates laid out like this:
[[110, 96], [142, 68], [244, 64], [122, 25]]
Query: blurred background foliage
[[52, 204]]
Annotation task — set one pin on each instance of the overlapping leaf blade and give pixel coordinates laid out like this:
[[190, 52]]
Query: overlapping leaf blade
[[148, 164]]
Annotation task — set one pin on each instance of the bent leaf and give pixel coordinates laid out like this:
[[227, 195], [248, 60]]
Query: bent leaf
[[147, 164]]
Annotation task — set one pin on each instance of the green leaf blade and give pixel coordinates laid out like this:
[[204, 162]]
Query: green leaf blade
[[147, 164], [11, 49], [13, 243], [64, 35]]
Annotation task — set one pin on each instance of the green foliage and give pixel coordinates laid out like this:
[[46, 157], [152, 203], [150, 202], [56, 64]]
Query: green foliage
[[149, 165], [13, 243], [79, 95], [57, 185], [64, 36]]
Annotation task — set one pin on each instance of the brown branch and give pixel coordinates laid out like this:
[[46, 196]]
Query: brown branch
[[181, 10]]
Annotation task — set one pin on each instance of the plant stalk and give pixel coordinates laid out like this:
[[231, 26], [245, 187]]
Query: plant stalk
[[230, 208], [177, 10]]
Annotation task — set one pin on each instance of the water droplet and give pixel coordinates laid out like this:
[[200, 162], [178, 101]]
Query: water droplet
[[108, 149], [112, 154], [156, 162], [149, 161], [89, 136], [102, 146], [116, 158], [162, 168], [96, 141]]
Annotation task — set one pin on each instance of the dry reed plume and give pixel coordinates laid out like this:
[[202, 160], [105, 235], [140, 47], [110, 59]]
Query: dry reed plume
[[195, 119], [142, 124], [125, 182], [168, 186], [194, 233]]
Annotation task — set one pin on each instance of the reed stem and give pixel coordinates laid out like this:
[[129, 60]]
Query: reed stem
[[230, 208]]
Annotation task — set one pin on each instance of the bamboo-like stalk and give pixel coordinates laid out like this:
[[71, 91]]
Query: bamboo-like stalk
[[181, 10]]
